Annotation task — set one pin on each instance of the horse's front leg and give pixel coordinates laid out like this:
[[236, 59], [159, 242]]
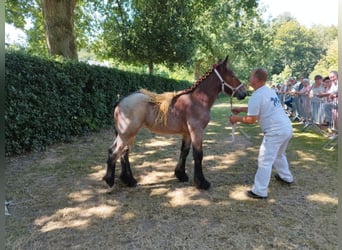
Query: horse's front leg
[[199, 180], [126, 175], [180, 168]]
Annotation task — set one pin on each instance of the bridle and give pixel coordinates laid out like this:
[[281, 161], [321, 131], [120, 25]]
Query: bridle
[[233, 89], [224, 83]]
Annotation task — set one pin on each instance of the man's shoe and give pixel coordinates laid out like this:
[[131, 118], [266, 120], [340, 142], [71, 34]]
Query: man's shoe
[[254, 196], [278, 178]]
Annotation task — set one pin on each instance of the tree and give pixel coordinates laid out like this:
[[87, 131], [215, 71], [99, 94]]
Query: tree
[[234, 28], [148, 32], [176, 32], [295, 46], [59, 27], [55, 17], [191, 33], [328, 62]]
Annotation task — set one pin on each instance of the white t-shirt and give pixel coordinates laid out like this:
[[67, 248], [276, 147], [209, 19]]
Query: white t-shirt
[[272, 117], [333, 88]]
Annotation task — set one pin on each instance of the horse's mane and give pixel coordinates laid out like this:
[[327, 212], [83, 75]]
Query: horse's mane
[[165, 100], [195, 85]]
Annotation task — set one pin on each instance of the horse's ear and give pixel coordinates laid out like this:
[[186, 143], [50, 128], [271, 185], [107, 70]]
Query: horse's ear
[[226, 62]]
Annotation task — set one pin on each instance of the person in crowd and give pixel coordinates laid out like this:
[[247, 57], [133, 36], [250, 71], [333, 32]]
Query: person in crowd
[[326, 89], [316, 88], [305, 90], [299, 85], [265, 107], [333, 98], [296, 101], [280, 94], [333, 76], [304, 101], [288, 92], [330, 96]]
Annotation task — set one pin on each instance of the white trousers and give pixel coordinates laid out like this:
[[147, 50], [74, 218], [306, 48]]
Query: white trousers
[[272, 152]]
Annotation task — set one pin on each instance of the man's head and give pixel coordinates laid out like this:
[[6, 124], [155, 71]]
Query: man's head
[[258, 78], [333, 75], [326, 82]]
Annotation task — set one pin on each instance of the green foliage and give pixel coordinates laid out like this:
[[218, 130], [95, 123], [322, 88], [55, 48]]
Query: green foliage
[[147, 32], [328, 62], [19, 10], [49, 101], [295, 46], [191, 34], [234, 28]]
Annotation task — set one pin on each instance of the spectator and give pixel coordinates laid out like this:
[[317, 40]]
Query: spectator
[[299, 85], [288, 91], [326, 85], [296, 101], [316, 88], [333, 99], [304, 101], [279, 92], [305, 90]]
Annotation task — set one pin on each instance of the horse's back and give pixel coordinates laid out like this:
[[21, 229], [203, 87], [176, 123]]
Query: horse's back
[[134, 101], [150, 110], [130, 113]]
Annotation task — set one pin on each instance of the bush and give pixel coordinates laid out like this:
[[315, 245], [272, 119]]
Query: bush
[[49, 101]]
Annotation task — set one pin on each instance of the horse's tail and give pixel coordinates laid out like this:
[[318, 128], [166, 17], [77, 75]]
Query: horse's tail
[[118, 100], [115, 105], [162, 102]]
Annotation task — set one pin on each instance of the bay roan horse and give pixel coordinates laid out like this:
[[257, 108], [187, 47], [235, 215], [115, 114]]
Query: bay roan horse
[[186, 113]]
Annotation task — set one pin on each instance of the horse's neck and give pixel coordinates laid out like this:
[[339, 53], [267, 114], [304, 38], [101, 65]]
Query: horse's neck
[[207, 91]]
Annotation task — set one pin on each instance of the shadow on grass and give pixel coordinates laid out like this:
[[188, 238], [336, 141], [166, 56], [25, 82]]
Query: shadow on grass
[[60, 201]]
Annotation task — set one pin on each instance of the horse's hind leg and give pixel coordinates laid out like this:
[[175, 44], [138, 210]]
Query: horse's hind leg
[[180, 168], [110, 173], [113, 153], [126, 175]]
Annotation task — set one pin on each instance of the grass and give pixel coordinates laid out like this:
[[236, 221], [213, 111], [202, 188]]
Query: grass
[[60, 201]]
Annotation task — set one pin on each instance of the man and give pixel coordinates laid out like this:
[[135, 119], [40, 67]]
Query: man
[[331, 108], [265, 107], [331, 95]]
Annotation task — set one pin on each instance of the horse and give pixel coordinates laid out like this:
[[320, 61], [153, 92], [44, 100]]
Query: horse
[[186, 112]]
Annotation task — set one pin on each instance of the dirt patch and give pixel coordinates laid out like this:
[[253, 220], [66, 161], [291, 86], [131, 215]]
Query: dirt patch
[[60, 201]]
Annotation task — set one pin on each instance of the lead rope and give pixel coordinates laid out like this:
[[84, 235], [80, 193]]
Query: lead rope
[[224, 83], [233, 125]]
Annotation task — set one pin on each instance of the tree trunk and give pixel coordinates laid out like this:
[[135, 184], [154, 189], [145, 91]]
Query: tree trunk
[[59, 27], [150, 68]]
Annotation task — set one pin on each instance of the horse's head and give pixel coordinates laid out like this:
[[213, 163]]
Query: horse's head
[[230, 84]]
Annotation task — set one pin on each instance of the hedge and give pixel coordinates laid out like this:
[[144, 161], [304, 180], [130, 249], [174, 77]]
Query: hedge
[[49, 101]]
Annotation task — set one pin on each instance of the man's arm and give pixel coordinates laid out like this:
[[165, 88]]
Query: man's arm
[[248, 119], [237, 110]]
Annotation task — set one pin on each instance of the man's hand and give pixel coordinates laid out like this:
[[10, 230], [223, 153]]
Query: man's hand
[[233, 119], [236, 111]]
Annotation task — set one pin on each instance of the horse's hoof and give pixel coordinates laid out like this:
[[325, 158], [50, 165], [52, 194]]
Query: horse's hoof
[[128, 180], [110, 190], [109, 181], [132, 183], [182, 176], [205, 185]]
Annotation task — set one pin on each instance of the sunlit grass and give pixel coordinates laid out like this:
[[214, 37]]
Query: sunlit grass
[[61, 198]]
